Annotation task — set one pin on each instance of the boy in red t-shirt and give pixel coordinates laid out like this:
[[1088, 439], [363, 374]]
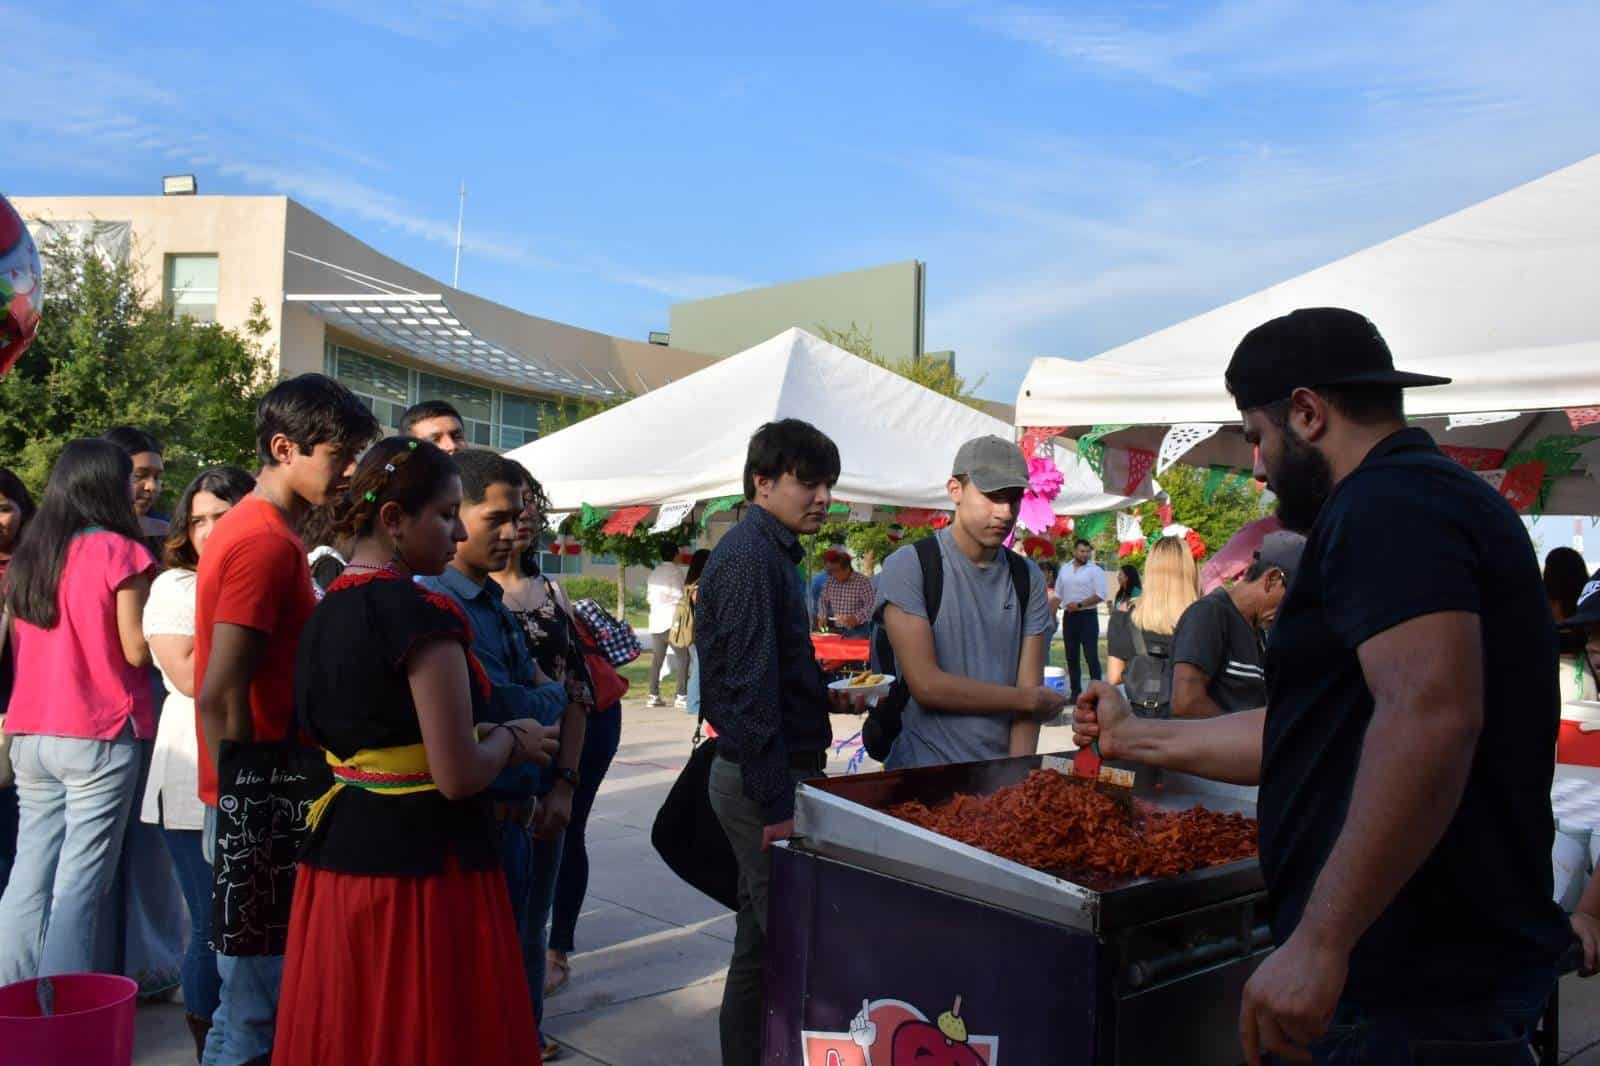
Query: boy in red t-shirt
[[253, 596]]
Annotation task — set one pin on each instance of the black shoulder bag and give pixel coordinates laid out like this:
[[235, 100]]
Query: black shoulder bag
[[686, 833]]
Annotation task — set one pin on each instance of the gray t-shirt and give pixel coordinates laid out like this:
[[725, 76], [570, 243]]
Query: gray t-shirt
[[976, 635]]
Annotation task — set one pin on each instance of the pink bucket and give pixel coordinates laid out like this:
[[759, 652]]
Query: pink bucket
[[92, 1023]]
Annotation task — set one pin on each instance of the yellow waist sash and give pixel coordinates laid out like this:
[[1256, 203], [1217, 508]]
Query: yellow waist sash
[[385, 771]]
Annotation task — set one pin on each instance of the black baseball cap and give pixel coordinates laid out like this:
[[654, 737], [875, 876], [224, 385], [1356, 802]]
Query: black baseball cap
[[1310, 347], [1588, 612]]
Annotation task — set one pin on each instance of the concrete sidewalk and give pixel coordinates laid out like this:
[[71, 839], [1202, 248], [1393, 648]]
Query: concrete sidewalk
[[651, 952]]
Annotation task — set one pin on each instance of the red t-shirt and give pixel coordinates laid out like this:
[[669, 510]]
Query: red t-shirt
[[254, 574]]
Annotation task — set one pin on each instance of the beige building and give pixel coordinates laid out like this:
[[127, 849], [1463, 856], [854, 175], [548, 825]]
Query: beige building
[[394, 335]]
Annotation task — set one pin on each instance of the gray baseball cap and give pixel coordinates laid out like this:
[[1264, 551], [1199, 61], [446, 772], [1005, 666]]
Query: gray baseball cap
[[993, 464], [1283, 551]]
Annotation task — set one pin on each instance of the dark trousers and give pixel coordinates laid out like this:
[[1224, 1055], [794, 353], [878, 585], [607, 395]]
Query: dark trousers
[[1080, 630], [740, 816], [658, 658], [600, 743], [1470, 1032]]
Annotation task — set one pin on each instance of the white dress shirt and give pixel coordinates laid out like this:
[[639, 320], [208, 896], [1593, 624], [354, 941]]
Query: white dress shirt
[[1076, 583]]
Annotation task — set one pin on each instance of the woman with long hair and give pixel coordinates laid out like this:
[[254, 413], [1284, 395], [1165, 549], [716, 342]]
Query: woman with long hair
[[172, 791], [1171, 583], [1129, 585], [76, 588], [16, 510], [401, 943]]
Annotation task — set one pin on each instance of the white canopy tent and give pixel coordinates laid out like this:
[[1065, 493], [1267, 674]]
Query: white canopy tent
[[686, 441], [1498, 297]]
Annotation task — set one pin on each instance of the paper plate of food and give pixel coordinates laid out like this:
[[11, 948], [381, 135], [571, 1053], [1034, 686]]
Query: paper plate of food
[[871, 685]]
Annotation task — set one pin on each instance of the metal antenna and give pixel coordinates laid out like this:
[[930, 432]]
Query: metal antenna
[[461, 211]]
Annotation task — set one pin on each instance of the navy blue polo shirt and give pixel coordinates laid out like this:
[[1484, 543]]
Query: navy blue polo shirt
[[1408, 533]]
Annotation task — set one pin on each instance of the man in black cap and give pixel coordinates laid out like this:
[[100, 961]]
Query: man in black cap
[[1405, 752]]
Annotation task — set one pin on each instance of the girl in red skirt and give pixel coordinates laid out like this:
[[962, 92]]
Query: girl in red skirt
[[401, 946]]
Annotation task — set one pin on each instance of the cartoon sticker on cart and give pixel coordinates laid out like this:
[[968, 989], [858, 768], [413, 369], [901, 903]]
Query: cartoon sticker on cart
[[891, 1032]]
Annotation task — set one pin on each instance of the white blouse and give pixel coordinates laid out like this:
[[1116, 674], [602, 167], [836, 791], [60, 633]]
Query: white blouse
[[174, 768]]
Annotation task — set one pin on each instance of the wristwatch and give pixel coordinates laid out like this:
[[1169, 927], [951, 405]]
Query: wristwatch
[[569, 775]]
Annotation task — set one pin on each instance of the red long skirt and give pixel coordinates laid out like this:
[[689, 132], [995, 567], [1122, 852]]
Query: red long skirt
[[403, 971]]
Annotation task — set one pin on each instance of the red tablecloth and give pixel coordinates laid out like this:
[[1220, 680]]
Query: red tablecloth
[[834, 651]]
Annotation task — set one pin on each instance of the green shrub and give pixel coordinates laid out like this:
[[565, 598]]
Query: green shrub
[[603, 590]]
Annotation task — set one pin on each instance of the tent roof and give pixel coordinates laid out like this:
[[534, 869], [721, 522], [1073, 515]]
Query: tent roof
[[687, 440], [1496, 296]]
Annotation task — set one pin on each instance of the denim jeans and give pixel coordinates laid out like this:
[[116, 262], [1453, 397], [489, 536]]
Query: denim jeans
[[202, 986], [546, 865], [247, 1013], [1495, 1032], [600, 743], [247, 1005], [516, 859], [74, 797]]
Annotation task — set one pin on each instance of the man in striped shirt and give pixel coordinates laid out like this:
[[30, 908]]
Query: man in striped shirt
[[845, 605], [1217, 649]]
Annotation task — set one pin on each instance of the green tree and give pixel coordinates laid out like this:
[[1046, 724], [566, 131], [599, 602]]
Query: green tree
[[940, 377], [866, 539], [1216, 520], [106, 356], [572, 412], [639, 548]]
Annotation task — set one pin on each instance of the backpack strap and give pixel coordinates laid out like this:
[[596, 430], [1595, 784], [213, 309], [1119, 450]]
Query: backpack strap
[[932, 561]]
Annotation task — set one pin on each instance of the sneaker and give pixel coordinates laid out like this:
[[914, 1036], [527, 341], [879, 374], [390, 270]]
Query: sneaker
[[654, 701], [681, 703]]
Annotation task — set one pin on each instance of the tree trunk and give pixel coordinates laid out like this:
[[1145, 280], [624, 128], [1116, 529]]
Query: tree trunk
[[622, 591]]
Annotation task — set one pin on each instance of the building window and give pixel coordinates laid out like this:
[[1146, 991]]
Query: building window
[[522, 419], [475, 403], [382, 386], [493, 419], [192, 286]]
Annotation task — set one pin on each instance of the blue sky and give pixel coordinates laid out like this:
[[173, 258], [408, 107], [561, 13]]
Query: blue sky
[[1074, 175]]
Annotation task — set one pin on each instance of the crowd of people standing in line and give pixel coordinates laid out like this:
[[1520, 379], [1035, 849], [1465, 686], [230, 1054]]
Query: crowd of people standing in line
[[407, 721]]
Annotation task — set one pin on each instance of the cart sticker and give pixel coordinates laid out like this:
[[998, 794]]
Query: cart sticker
[[891, 1032]]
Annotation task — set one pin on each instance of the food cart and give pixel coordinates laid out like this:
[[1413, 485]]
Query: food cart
[[901, 947]]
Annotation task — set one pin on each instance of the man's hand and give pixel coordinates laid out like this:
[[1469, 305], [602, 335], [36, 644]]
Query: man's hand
[[1100, 713], [771, 834], [555, 811], [1042, 701], [847, 701], [1289, 1002], [1587, 929]]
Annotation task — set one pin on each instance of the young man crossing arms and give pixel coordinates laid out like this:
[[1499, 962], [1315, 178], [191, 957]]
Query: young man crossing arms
[[976, 672], [1081, 586], [253, 597]]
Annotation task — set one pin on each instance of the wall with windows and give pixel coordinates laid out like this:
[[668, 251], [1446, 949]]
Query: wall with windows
[[208, 256], [493, 418]]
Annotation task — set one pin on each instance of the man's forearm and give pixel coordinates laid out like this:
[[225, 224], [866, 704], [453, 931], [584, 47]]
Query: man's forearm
[[1222, 749], [954, 694], [1414, 768]]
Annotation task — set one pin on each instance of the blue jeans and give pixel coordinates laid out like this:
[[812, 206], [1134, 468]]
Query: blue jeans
[[247, 1013], [516, 859], [202, 986], [600, 743], [247, 1006], [541, 899], [74, 797], [1493, 1032]]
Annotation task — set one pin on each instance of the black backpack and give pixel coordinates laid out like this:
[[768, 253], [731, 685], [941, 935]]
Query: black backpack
[[883, 722], [1148, 679]]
